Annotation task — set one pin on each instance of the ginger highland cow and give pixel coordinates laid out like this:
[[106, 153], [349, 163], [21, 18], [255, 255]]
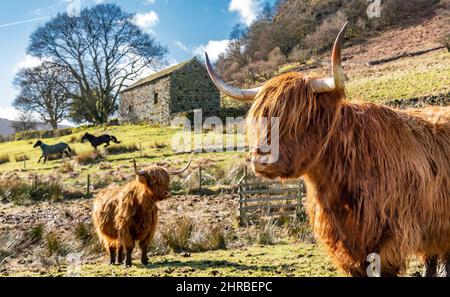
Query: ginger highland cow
[[378, 179], [125, 215]]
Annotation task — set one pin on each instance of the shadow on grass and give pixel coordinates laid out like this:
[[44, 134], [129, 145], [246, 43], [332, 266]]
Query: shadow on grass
[[199, 265]]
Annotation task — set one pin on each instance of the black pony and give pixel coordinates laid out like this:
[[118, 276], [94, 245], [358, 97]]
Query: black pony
[[97, 141]]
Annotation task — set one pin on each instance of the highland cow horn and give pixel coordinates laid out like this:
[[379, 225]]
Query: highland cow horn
[[135, 167], [239, 94], [180, 172], [337, 82]]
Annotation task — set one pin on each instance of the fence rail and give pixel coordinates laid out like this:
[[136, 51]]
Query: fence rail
[[269, 199]]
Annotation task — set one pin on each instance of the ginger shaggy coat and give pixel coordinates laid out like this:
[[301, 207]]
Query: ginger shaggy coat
[[125, 215]]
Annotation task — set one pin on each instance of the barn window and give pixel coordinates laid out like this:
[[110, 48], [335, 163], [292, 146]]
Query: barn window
[[155, 99]]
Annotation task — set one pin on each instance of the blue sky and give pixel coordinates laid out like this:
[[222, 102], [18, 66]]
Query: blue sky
[[186, 27]]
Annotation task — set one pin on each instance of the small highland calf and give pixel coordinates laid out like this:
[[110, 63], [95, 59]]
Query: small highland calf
[[125, 215]]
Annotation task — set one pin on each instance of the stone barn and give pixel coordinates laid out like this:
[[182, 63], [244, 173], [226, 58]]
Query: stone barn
[[179, 89]]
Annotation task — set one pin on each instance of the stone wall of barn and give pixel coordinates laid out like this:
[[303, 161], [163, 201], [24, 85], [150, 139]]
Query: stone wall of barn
[[186, 89], [191, 89], [147, 103]]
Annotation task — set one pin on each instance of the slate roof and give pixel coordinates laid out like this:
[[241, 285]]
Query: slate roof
[[158, 75]]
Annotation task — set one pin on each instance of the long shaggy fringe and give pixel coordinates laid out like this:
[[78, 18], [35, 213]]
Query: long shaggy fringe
[[378, 179]]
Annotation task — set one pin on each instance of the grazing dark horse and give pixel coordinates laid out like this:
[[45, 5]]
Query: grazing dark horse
[[47, 150], [97, 141]]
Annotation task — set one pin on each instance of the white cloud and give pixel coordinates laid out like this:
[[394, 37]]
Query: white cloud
[[150, 1], [214, 48], [27, 62], [247, 9], [9, 113], [146, 21], [181, 46]]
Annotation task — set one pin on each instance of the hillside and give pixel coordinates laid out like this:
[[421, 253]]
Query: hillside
[[6, 128], [406, 61]]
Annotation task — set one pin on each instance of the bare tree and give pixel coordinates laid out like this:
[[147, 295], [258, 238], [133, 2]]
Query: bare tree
[[267, 12], [44, 90], [103, 50], [24, 122]]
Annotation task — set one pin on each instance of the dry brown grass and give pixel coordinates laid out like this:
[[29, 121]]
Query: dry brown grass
[[4, 159], [88, 158], [21, 158], [186, 235]]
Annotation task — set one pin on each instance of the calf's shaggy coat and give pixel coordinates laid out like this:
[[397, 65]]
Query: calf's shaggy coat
[[125, 215]]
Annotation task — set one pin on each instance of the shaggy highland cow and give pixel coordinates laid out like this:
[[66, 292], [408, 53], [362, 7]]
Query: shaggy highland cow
[[125, 215], [378, 179]]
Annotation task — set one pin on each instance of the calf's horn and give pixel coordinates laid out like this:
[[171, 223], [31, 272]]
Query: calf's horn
[[337, 82], [180, 172], [239, 94], [135, 167]]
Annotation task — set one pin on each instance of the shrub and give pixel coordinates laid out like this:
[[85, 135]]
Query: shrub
[[323, 38], [160, 145], [87, 158], [267, 234], [66, 167], [301, 230], [44, 134], [102, 182], [216, 240], [21, 158], [299, 54], [20, 193], [177, 186], [55, 246], [83, 233], [185, 235], [121, 149], [178, 233], [159, 246], [394, 11], [74, 139], [36, 233], [4, 159]]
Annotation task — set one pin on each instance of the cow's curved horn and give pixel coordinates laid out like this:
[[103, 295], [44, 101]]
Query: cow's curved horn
[[239, 94], [337, 82], [135, 167], [180, 172]]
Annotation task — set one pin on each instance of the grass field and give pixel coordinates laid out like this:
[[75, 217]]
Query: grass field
[[426, 75], [279, 260], [287, 260], [148, 145]]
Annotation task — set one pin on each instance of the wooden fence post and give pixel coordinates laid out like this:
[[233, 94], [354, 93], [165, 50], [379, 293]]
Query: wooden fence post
[[88, 188], [199, 177], [140, 149], [241, 205]]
